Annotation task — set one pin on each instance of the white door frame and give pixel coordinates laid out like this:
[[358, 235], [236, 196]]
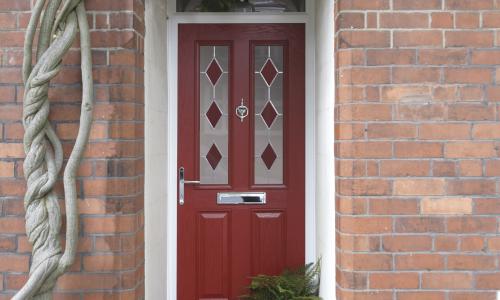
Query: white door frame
[[315, 236]]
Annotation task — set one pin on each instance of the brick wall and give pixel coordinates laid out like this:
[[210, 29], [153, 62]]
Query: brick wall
[[110, 260], [417, 149]]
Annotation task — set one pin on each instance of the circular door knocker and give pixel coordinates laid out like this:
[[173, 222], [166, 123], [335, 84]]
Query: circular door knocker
[[242, 111]]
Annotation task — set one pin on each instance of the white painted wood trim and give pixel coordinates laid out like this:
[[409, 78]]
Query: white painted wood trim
[[314, 228], [325, 158]]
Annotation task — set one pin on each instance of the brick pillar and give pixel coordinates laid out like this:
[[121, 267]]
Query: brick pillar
[[110, 260], [417, 149]]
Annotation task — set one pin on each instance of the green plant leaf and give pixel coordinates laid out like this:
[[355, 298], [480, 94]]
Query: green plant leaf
[[299, 284]]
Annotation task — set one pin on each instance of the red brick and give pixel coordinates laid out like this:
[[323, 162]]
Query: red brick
[[471, 187], [404, 168], [364, 187], [417, 5], [442, 56], [363, 4], [394, 280], [7, 21], [418, 295], [419, 262], [446, 243], [469, 5], [371, 20], [349, 131], [471, 112], [471, 93], [78, 281], [415, 75], [486, 131], [407, 243], [492, 168], [365, 262], [472, 225], [109, 224], [469, 39], [365, 76], [403, 93], [467, 20], [362, 225], [358, 243], [366, 150], [348, 57], [419, 224], [491, 20], [451, 281], [351, 20], [486, 206], [97, 263], [470, 168], [123, 20], [404, 20], [362, 39], [485, 57], [468, 75], [418, 38], [438, 206], [444, 169], [442, 20], [493, 93], [490, 281], [472, 296], [471, 262], [365, 112], [494, 244], [12, 38], [391, 131], [472, 244], [376, 57], [351, 206], [443, 131], [418, 149], [421, 112], [14, 5], [6, 169], [352, 280], [14, 263], [408, 187], [470, 149]]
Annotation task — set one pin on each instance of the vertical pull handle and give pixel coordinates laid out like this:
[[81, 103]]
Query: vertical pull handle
[[182, 182]]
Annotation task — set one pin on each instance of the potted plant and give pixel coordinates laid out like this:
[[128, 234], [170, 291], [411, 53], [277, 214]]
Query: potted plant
[[300, 284]]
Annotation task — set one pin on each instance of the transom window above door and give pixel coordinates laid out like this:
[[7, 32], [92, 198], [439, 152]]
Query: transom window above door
[[245, 6]]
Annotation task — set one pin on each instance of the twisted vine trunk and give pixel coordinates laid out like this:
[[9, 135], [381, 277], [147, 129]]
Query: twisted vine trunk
[[44, 156]]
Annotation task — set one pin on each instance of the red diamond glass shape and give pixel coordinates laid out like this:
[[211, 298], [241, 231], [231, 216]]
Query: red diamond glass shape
[[214, 156], [268, 156], [269, 114], [269, 72], [213, 114], [214, 71]]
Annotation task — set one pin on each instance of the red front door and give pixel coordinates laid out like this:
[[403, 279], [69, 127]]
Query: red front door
[[241, 134]]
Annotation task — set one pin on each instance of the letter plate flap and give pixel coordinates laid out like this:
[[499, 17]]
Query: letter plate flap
[[241, 198]]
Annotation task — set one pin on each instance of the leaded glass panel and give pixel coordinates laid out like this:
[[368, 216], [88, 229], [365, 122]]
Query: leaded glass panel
[[214, 89], [268, 100]]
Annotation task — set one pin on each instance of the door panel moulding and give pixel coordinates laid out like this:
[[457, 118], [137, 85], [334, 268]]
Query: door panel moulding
[[161, 137]]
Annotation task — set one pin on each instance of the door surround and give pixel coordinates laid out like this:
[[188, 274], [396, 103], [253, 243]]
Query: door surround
[[161, 280]]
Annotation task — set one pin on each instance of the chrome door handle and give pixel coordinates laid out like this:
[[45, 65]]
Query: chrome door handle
[[182, 182]]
